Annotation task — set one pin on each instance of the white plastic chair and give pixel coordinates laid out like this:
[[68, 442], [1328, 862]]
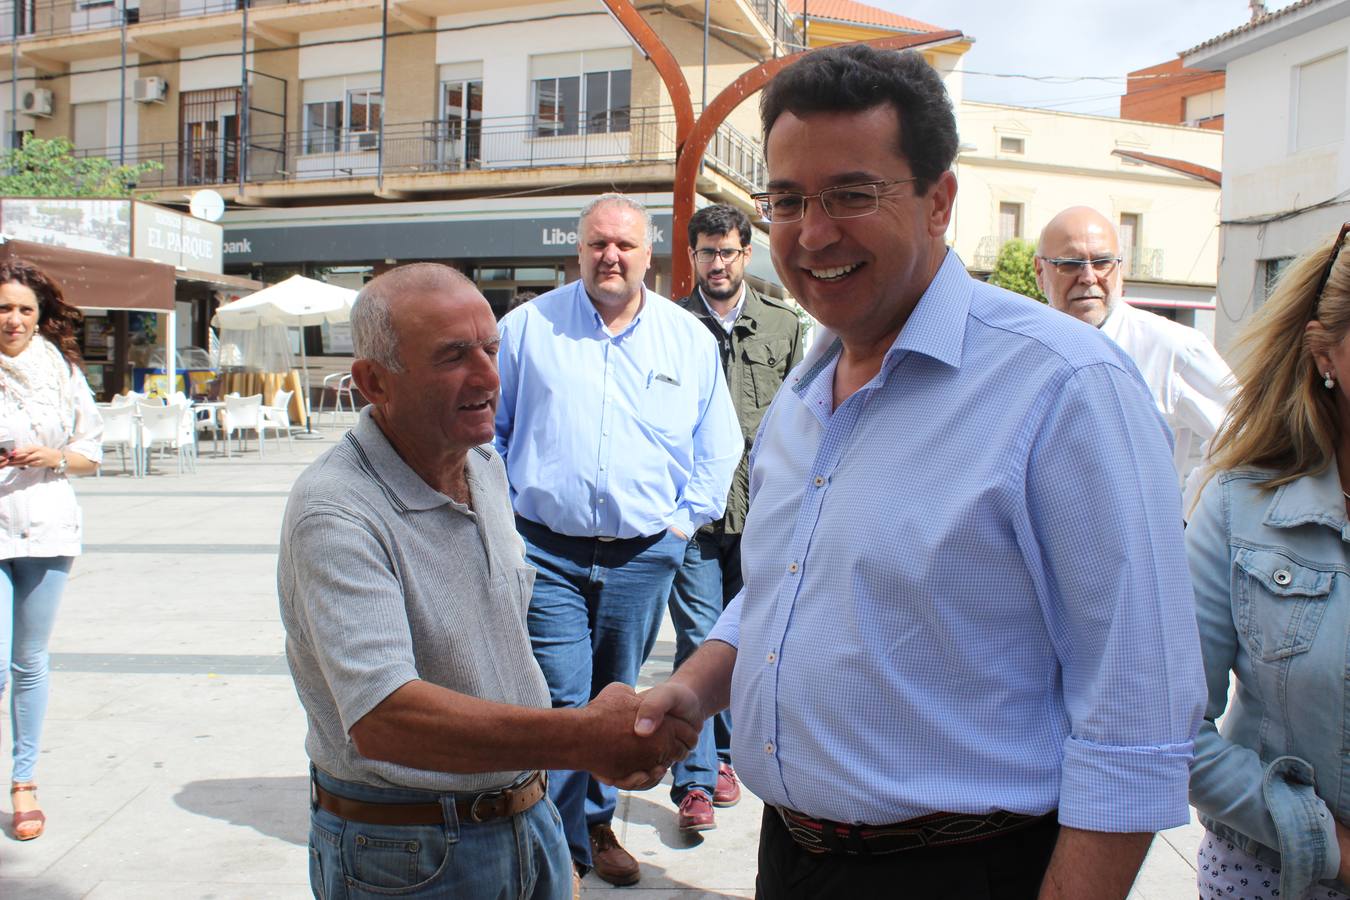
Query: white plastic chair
[[241, 414], [130, 398], [278, 416], [162, 426], [121, 431], [340, 383]]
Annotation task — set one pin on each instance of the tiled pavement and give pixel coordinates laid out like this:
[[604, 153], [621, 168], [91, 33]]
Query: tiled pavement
[[173, 764]]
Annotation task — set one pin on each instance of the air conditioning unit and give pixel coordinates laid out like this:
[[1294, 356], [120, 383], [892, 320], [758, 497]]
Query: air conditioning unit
[[36, 102], [367, 140], [149, 90]]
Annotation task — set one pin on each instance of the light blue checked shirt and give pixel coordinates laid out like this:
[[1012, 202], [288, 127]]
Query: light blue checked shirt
[[966, 588], [621, 435]]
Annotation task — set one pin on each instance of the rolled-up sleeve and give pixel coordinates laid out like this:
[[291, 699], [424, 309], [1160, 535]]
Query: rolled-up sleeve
[[718, 445], [1116, 596], [1275, 804]]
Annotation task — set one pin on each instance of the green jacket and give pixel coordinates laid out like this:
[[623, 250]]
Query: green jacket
[[763, 346]]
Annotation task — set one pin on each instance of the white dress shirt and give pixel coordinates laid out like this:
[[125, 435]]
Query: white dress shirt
[[1189, 380]]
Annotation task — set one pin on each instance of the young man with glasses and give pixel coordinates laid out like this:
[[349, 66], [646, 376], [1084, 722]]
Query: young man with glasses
[[1078, 266], [965, 659], [759, 340]]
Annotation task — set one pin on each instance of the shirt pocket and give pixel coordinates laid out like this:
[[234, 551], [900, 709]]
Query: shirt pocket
[[765, 360], [669, 408], [1280, 603]]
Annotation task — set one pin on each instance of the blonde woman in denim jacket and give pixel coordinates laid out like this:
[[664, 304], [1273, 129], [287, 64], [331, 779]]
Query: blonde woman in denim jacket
[[52, 430], [1271, 567]]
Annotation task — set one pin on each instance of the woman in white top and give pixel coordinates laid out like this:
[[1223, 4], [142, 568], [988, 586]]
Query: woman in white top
[[49, 429]]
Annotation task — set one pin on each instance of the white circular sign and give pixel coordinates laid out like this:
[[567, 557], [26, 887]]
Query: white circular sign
[[207, 204]]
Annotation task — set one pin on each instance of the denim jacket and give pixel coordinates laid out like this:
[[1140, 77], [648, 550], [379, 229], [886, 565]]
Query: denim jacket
[[1272, 589]]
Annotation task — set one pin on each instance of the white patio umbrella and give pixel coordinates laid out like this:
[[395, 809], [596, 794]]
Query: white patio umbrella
[[298, 301]]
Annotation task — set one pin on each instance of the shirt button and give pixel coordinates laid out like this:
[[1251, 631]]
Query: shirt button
[[819, 481], [602, 500], [772, 656], [768, 748], [604, 434], [1282, 577], [602, 468], [792, 567]]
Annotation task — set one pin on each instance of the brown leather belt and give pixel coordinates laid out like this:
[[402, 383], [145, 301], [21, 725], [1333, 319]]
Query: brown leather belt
[[936, 830], [496, 804]]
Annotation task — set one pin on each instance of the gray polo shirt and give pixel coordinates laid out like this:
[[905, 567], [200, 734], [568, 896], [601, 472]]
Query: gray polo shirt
[[384, 580]]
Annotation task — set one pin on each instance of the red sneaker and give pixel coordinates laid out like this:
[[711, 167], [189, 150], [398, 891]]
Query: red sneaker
[[696, 812], [728, 790]]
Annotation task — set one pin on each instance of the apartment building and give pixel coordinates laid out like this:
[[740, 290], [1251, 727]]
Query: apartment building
[[350, 135], [1020, 166], [1171, 93], [1286, 173]]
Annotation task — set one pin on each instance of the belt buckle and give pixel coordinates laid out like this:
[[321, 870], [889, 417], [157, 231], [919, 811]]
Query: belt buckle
[[490, 796]]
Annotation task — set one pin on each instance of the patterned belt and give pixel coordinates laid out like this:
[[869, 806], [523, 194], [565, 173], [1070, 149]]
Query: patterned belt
[[497, 804], [936, 830]]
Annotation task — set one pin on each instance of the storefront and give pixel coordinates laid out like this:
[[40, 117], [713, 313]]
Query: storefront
[[104, 253], [508, 247]]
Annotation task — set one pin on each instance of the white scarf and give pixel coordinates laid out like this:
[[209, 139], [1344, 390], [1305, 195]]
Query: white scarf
[[38, 383]]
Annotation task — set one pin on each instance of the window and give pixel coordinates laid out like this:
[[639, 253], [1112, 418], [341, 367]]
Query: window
[[1271, 270], [1319, 104], [90, 130], [1200, 107], [209, 153], [1129, 241], [1009, 222], [557, 104], [607, 100], [462, 113], [1012, 145], [323, 126], [365, 108], [582, 93]]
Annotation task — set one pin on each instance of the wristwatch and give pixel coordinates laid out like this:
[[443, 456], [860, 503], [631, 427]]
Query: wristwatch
[[63, 464]]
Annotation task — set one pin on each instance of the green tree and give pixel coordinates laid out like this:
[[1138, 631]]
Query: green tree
[[1015, 269], [49, 168]]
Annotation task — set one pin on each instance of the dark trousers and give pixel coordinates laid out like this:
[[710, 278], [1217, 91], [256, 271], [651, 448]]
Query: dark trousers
[[1007, 866]]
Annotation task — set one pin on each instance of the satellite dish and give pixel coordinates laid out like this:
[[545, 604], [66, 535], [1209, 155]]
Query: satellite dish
[[207, 204]]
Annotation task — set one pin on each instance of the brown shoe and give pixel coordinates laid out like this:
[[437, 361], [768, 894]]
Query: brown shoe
[[696, 813], [576, 883], [30, 823], [608, 858]]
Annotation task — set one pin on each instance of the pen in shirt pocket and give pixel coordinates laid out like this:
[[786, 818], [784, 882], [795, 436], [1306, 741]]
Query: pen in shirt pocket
[[668, 379]]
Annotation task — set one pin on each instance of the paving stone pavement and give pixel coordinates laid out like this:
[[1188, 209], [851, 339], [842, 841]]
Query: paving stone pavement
[[173, 764]]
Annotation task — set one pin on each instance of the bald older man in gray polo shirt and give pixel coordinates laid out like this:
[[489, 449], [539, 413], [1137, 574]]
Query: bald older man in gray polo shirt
[[404, 589]]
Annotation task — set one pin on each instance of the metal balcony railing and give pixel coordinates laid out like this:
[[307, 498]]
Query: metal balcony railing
[[640, 136], [53, 18], [738, 157], [513, 142]]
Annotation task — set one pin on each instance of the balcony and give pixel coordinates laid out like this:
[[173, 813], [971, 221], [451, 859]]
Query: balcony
[[422, 154]]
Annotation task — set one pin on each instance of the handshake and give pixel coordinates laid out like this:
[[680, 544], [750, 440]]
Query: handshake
[[634, 738]]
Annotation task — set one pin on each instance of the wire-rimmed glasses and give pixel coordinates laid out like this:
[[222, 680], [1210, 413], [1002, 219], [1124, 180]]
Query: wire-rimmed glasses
[[1101, 265], [847, 201]]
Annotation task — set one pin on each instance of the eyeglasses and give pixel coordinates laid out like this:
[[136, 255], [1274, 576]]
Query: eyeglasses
[[1101, 265], [848, 201], [1331, 261], [726, 254]]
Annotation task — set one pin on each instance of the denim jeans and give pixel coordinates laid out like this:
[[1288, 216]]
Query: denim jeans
[[517, 856], [593, 620], [30, 593], [707, 581]]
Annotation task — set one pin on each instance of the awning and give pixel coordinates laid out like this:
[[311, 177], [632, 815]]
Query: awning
[[236, 283], [97, 280]]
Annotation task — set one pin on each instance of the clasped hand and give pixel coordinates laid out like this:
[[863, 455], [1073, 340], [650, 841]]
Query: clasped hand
[[36, 457], [630, 757]]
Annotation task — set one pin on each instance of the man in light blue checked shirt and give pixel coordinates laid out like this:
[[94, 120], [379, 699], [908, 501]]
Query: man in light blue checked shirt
[[620, 440], [965, 661]]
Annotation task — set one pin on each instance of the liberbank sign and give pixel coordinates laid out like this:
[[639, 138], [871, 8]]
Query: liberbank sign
[[355, 242]]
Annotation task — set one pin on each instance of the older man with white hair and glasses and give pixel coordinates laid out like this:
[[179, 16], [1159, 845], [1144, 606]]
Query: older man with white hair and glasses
[[1080, 270]]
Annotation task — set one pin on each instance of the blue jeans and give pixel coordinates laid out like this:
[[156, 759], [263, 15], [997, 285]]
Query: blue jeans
[[707, 581], [593, 620], [518, 856], [30, 592]]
